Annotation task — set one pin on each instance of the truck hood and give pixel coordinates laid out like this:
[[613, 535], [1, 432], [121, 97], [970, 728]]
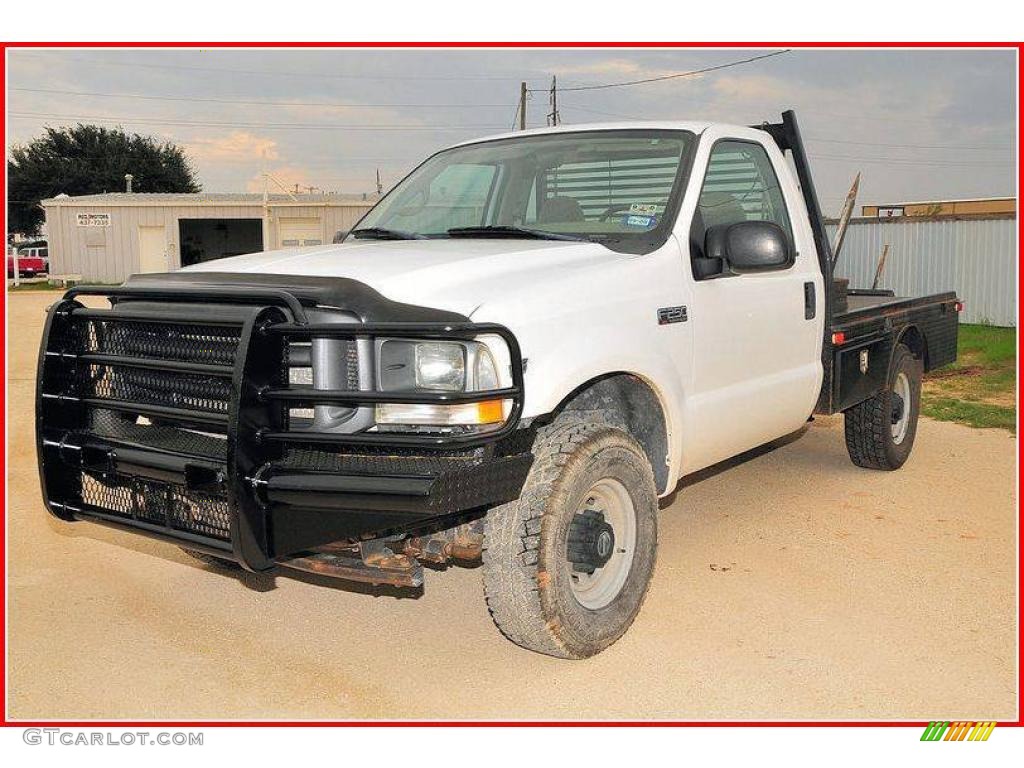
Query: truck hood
[[459, 275]]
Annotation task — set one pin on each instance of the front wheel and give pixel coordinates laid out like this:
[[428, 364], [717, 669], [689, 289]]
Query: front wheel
[[566, 567], [880, 431]]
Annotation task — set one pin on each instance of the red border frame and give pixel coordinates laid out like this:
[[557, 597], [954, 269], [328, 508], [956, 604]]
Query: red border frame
[[1019, 47]]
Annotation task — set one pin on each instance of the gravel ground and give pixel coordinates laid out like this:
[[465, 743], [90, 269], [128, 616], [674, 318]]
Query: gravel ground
[[793, 585]]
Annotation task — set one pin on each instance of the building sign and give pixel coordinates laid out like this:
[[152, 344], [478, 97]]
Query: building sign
[[93, 219]]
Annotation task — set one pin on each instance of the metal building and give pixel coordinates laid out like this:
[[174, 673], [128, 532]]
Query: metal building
[[967, 207], [974, 256], [106, 238]]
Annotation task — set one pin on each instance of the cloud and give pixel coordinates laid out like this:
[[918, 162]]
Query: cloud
[[616, 70], [233, 148], [752, 87], [282, 178]]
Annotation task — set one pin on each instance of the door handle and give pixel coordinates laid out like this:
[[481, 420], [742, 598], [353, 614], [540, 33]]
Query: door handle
[[810, 301]]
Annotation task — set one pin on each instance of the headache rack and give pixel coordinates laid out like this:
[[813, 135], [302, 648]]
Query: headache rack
[[169, 414]]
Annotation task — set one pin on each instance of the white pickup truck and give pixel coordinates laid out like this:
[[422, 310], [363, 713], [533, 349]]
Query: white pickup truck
[[522, 347]]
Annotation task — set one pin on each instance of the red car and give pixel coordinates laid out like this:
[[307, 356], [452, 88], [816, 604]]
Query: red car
[[32, 261]]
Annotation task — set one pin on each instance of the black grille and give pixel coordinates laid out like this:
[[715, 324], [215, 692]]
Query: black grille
[[139, 385], [298, 359], [352, 365], [159, 504], [191, 343], [126, 429]]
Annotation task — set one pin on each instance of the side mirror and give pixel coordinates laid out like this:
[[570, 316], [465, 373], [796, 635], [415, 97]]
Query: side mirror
[[749, 246], [340, 235]]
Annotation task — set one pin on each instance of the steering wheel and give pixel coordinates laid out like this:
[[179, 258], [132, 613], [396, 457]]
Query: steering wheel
[[614, 209]]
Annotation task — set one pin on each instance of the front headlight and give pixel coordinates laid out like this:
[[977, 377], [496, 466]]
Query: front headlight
[[440, 366], [437, 366]]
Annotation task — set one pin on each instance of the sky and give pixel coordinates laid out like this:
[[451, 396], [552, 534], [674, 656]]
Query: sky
[[919, 125]]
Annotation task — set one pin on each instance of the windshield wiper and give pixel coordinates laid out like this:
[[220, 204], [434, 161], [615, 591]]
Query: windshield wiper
[[379, 233], [496, 230]]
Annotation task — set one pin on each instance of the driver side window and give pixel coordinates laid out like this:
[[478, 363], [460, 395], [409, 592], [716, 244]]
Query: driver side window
[[739, 185]]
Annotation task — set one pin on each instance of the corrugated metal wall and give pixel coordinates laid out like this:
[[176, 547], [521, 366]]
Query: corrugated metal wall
[[977, 258]]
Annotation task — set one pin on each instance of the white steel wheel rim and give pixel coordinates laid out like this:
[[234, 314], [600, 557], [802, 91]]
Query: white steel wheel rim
[[901, 387], [596, 590]]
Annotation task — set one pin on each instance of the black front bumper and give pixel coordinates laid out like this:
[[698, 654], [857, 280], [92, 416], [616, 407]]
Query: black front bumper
[[168, 414]]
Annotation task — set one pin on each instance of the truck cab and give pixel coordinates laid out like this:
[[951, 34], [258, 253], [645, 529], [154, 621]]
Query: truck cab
[[510, 358]]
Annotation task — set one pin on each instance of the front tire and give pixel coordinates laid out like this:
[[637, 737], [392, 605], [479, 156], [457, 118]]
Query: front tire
[[567, 565], [880, 431]]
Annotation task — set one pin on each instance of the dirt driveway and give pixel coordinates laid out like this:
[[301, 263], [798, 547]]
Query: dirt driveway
[[793, 585]]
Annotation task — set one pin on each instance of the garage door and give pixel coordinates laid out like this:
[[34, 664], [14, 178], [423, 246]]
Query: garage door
[[295, 232]]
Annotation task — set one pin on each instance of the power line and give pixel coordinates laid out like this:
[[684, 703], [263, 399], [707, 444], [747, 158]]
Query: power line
[[908, 146], [873, 116], [676, 75], [277, 72], [272, 126], [254, 102], [909, 162], [988, 148]]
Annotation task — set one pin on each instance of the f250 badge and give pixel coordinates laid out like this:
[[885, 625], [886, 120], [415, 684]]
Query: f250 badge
[[668, 315]]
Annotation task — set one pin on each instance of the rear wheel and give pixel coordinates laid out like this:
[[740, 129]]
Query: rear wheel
[[880, 431], [566, 567]]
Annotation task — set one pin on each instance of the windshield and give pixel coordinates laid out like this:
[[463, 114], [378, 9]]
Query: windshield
[[619, 188]]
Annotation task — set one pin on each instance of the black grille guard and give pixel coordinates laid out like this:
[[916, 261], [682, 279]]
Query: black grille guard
[[216, 466]]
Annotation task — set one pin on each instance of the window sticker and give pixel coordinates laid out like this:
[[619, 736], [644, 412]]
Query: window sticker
[[644, 209], [639, 221]]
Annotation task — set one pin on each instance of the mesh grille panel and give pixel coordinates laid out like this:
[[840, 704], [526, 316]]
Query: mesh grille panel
[[180, 390], [126, 428], [352, 367], [160, 504], [166, 341]]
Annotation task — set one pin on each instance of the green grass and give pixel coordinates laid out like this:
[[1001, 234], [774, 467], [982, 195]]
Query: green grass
[[972, 414], [991, 344], [980, 388]]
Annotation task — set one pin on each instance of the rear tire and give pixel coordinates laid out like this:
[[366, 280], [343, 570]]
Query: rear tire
[[537, 597], [880, 431]]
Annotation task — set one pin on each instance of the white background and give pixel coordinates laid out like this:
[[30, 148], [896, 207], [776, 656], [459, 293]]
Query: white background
[[524, 20]]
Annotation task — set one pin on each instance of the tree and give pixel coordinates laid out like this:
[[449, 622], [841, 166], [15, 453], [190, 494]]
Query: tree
[[88, 160]]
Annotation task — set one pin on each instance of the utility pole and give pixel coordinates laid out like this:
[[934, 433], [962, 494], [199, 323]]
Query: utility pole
[[265, 235], [522, 106], [553, 116], [380, 187]]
